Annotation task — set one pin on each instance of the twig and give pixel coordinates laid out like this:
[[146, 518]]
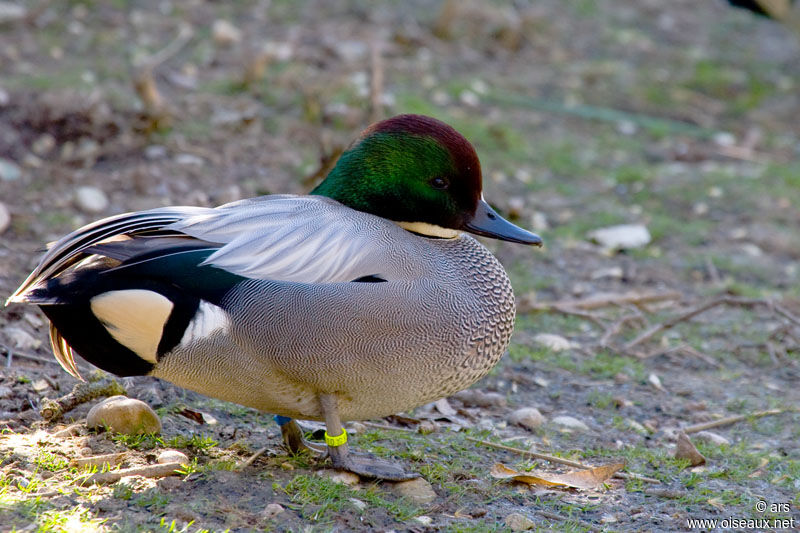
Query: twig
[[387, 426], [616, 327], [10, 353], [376, 83], [68, 431], [601, 300], [185, 34], [100, 460], [250, 460], [730, 420], [658, 328], [81, 393], [554, 459], [107, 478]]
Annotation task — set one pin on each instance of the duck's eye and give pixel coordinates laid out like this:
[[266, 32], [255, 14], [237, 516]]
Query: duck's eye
[[439, 183]]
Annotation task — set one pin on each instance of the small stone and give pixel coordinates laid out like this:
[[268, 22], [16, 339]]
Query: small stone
[[724, 138], [155, 151], [169, 483], [5, 392], [621, 237], [5, 98], [570, 422], [356, 428], [427, 426], [189, 160], [43, 144], [358, 504], [556, 343], [5, 217], [469, 98], [519, 522], [352, 51], [124, 415], [40, 385], [341, 476], [713, 438], [11, 12], [91, 199], [527, 417], [86, 452], [614, 272], [655, 381], [478, 398], [21, 339], [9, 171], [424, 520], [224, 33], [417, 490], [626, 127], [172, 456], [272, 510]]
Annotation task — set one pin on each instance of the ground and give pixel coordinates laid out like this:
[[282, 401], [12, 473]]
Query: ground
[[680, 116]]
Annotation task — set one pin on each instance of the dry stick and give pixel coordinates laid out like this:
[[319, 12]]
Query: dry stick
[[725, 300], [376, 83], [554, 459], [107, 478], [603, 300], [615, 328], [11, 353], [99, 460], [251, 459], [731, 420], [81, 393]]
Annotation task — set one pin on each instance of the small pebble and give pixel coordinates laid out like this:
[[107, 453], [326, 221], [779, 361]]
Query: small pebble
[[554, 342], [172, 456], [424, 520], [155, 151], [570, 422], [5, 217], [341, 476], [91, 200], [527, 417], [189, 160], [714, 438], [272, 510], [417, 490], [224, 33], [5, 392], [621, 237], [519, 522], [169, 483], [9, 171]]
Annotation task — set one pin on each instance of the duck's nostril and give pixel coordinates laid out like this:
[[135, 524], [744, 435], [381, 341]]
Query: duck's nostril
[[491, 216]]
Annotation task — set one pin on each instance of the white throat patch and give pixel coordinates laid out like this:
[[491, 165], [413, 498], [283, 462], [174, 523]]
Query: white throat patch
[[431, 230]]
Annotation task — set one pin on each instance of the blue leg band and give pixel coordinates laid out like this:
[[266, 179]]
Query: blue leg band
[[282, 420]]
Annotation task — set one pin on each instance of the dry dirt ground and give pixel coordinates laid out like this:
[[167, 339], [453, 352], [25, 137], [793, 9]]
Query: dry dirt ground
[[680, 116]]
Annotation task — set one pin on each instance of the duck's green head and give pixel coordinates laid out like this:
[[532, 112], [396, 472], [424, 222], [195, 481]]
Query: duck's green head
[[421, 173]]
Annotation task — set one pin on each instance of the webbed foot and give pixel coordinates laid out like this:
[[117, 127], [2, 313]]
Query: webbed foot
[[293, 438], [366, 466]]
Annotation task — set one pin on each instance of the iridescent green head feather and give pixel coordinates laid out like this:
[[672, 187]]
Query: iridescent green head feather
[[418, 170]]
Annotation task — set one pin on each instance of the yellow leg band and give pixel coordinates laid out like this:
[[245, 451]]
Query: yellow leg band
[[337, 440]]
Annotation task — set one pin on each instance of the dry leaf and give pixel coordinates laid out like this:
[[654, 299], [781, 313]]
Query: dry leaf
[[686, 450], [579, 479]]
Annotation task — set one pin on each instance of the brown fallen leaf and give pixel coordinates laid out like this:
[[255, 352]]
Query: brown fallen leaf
[[579, 479], [686, 450]]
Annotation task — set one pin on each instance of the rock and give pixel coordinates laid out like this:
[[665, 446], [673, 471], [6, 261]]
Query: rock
[[272, 510], [655, 381], [424, 520], [352, 51], [172, 456], [21, 339], [622, 237], [5, 217], [686, 450], [11, 12], [124, 415], [40, 385], [224, 33], [43, 144], [189, 160], [169, 483], [527, 417], [5, 392], [91, 200], [557, 343], [9, 171], [614, 272], [570, 422], [713, 438], [155, 151], [341, 476], [478, 398], [416, 490], [519, 522], [358, 504]]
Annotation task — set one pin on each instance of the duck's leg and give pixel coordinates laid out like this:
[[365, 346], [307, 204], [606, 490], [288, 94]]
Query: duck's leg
[[293, 438], [336, 438]]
